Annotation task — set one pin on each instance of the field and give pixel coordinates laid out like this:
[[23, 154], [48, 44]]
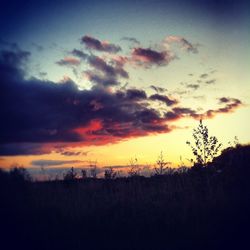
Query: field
[[197, 208]]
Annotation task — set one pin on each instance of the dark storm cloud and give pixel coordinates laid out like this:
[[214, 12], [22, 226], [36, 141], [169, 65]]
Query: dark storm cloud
[[13, 59], [23, 149], [36, 114], [163, 98], [95, 44], [136, 94], [8, 45], [40, 116], [148, 57]]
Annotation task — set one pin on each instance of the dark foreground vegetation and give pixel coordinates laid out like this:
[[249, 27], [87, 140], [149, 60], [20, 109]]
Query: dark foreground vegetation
[[200, 208]]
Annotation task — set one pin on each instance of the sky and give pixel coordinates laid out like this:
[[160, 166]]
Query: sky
[[107, 81]]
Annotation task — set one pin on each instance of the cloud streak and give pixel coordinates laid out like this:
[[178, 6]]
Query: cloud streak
[[95, 44], [163, 98], [69, 61], [184, 43], [49, 163], [148, 57]]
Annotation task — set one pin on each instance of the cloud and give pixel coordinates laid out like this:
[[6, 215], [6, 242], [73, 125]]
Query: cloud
[[204, 75], [131, 39], [230, 101], [14, 60], [192, 86], [95, 44], [9, 45], [184, 43], [73, 153], [200, 97], [41, 116], [45, 163], [210, 81], [230, 105], [105, 74], [181, 112], [224, 100], [79, 53], [148, 57], [9, 149], [42, 74], [136, 94], [69, 61], [38, 47], [158, 89], [163, 98], [99, 64], [101, 80], [119, 60]]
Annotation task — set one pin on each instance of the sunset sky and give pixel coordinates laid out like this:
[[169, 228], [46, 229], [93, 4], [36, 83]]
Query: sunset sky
[[106, 81]]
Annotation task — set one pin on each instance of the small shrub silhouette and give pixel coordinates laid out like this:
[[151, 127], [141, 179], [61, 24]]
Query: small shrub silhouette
[[161, 165], [134, 168], [83, 174], [93, 169], [109, 173], [205, 147], [70, 175], [19, 174]]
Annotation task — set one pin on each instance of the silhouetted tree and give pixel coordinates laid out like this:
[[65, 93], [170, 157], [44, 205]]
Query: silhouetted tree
[[93, 169], [109, 173], [205, 147], [235, 143], [70, 175], [19, 174], [161, 164], [83, 174], [134, 167]]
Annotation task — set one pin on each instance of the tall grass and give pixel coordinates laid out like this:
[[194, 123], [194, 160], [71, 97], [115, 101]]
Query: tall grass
[[197, 208]]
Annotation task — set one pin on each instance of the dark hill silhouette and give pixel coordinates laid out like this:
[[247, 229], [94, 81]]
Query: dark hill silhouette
[[234, 157], [199, 208]]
